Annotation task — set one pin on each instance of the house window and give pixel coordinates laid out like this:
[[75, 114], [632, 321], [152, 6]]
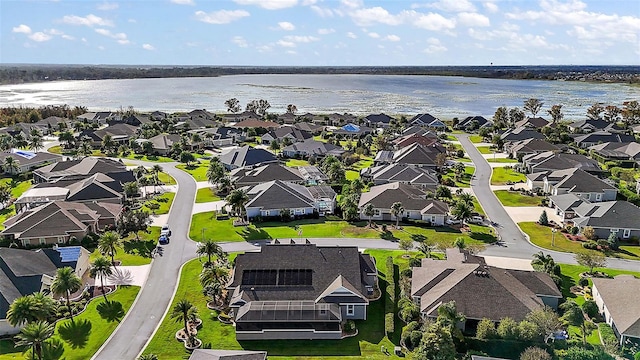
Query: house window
[[60, 239], [376, 212], [42, 241], [615, 231], [408, 213], [298, 211], [598, 197], [626, 233], [267, 213], [433, 218], [351, 309]]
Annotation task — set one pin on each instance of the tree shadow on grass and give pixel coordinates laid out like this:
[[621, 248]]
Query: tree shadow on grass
[[388, 235], [319, 348], [142, 248], [250, 233], [75, 333], [111, 311], [484, 237], [628, 253], [567, 283]]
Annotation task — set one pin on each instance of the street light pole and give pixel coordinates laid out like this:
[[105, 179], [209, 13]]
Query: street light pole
[[553, 237]]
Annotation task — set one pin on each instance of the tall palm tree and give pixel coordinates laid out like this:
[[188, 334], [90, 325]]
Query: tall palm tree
[[225, 185], [214, 274], [107, 143], [425, 248], [210, 248], [101, 267], [466, 198], [215, 172], [11, 165], [396, 210], [109, 243], [156, 170], [21, 311], [237, 199], [44, 306], [462, 211], [66, 282], [369, 211], [84, 149], [6, 142], [35, 142], [184, 311], [148, 357], [34, 336]]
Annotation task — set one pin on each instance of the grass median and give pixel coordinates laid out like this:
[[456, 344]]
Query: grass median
[[503, 176]]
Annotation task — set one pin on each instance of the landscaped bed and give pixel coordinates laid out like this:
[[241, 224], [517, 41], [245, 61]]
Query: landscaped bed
[[505, 176], [165, 200], [516, 198], [465, 179]]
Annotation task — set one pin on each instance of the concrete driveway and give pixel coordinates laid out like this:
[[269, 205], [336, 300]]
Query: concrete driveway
[[208, 206], [530, 213], [128, 275]]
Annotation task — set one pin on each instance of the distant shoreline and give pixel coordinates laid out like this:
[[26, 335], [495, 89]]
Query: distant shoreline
[[20, 74]]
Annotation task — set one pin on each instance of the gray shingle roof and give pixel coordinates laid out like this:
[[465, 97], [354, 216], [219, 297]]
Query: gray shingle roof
[[247, 156], [265, 173], [608, 214], [620, 297], [206, 354], [412, 198], [313, 147], [579, 181], [276, 195]]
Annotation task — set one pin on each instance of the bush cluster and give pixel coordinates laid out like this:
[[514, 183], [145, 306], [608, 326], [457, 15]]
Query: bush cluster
[[389, 306]]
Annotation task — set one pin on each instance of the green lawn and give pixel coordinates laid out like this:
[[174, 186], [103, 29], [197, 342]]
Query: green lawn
[[541, 236], [165, 200], [296, 163], [476, 139], [223, 230], [55, 149], [151, 158], [166, 179], [515, 198], [476, 206], [485, 149], [501, 176], [135, 252], [364, 163], [85, 339], [198, 171], [571, 275], [366, 345], [206, 195], [5, 214], [502, 160], [465, 180], [463, 159], [17, 187], [352, 175]]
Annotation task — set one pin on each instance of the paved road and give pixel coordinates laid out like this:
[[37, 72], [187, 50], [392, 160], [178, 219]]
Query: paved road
[[148, 310], [513, 242]]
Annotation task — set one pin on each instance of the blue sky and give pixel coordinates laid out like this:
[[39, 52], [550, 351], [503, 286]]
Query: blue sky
[[321, 32]]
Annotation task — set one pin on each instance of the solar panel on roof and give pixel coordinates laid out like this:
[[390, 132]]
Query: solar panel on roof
[[69, 253], [282, 277]]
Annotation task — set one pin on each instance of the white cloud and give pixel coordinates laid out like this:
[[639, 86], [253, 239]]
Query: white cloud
[[473, 19], [68, 37], [352, 4], [183, 2], [89, 20], [490, 6], [285, 43], [301, 39], [374, 35], [100, 47], [286, 26], [148, 47], [454, 5], [269, 4], [106, 6], [392, 38], [22, 28], [54, 32], [434, 22], [84, 40], [322, 12], [435, 46], [240, 41], [368, 16], [326, 31], [429, 21], [221, 16], [40, 37], [120, 37], [352, 35]]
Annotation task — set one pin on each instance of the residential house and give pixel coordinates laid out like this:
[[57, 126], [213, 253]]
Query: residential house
[[423, 178], [354, 131], [533, 123], [246, 156], [120, 133], [312, 175], [100, 118], [270, 198], [83, 168], [565, 204], [465, 278], [163, 143], [593, 125], [520, 133], [300, 291], [239, 117], [27, 160], [619, 217], [21, 129], [428, 121], [616, 300], [415, 203], [551, 161], [219, 136], [265, 173], [530, 146], [415, 154], [616, 151], [24, 272], [334, 119], [473, 123], [195, 123], [286, 132], [287, 118], [208, 354], [425, 138], [57, 222], [311, 147], [378, 120], [580, 183], [158, 115], [201, 113], [309, 127], [256, 123], [52, 124], [137, 120], [595, 138]]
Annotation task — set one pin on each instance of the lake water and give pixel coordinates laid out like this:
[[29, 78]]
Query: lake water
[[442, 96]]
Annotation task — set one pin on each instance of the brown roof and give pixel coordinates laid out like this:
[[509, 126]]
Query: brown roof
[[412, 198]]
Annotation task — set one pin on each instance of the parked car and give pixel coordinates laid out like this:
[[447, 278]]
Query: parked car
[[165, 230], [163, 240], [476, 220], [453, 222]]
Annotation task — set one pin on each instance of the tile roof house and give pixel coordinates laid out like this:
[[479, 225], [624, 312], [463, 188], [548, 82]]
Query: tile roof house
[[465, 278], [428, 121], [265, 173], [580, 183], [57, 222], [534, 123], [520, 133], [587, 140], [424, 178], [311, 147], [617, 301], [208, 354], [83, 168], [270, 198], [246, 156], [414, 201], [618, 217], [28, 160], [286, 132], [378, 120], [529, 146], [24, 272], [300, 291]]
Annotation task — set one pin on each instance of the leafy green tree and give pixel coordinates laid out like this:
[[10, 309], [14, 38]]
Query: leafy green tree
[[462, 211], [275, 146], [405, 244], [425, 247], [187, 158], [101, 267], [11, 165], [34, 335], [233, 105], [397, 209], [5, 193], [436, 344], [460, 243], [533, 106], [528, 331], [486, 329], [508, 329], [443, 192], [574, 316], [369, 211], [66, 137], [535, 353], [595, 111], [66, 282], [21, 311], [591, 260], [237, 199], [108, 144], [556, 113], [349, 207], [501, 117]]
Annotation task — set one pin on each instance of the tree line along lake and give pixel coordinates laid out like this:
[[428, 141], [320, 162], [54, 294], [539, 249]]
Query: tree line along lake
[[442, 96]]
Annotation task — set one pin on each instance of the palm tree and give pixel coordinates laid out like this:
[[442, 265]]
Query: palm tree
[[237, 199], [109, 243], [215, 172], [225, 185], [369, 211], [44, 306], [213, 291], [107, 143], [156, 170], [11, 165], [210, 248], [148, 357], [448, 314], [67, 138], [184, 311], [396, 210], [466, 198], [6, 142], [66, 282], [214, 274], [35, 142], [34, 336], [425, 248], [21, 311], [462, 211], [101, 267], [574, 316], [84, 149]]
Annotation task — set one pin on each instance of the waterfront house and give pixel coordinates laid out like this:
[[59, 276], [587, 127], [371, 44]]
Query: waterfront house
[[617, 151], [428, 121], [473, 123], [378, 120], [533, 123], [256, 123], [294, 135], [595, 138], [593, 125], [520, 133]]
